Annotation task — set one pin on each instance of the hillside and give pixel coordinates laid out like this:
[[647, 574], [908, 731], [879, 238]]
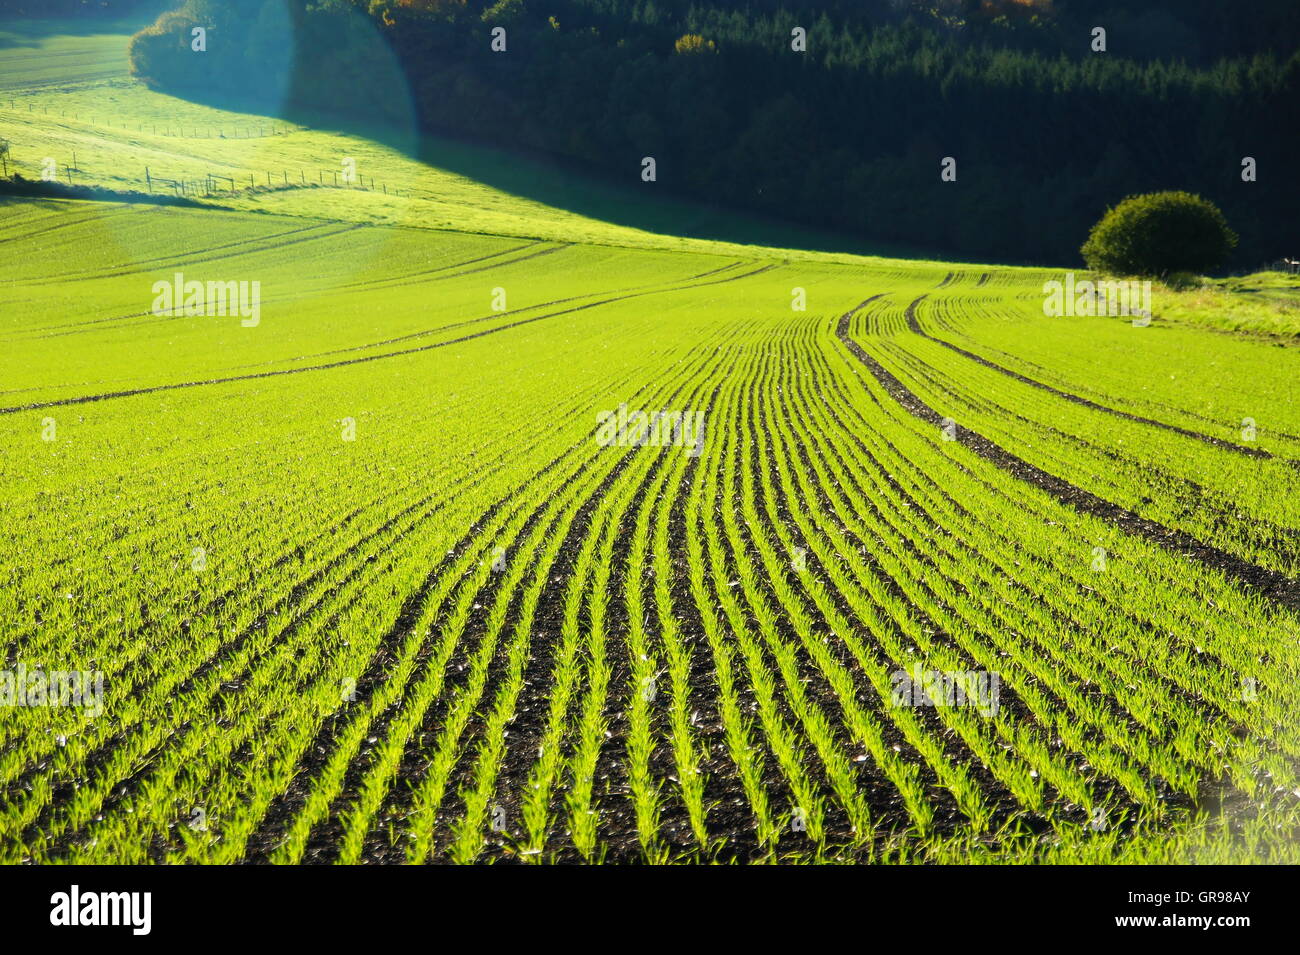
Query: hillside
[[827, 114], [444, 524]]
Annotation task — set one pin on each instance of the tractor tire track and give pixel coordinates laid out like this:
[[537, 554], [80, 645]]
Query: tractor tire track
[[915, 326], [1272, 585], [153, 389]]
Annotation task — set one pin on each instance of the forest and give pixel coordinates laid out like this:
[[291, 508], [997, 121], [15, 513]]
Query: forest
[[832, 113]]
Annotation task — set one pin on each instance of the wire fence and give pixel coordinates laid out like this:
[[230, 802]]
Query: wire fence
[[217, 184], [210, 184]]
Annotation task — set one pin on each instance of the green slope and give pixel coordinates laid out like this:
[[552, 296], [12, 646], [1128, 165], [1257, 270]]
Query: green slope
[[63, 97], [364, 581]]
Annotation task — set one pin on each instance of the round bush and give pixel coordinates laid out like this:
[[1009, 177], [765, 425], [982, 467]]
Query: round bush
[[1158, 234]]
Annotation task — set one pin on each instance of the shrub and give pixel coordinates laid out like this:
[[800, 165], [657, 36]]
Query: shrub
[[158, 52], [1183, 281], [1158, 234]]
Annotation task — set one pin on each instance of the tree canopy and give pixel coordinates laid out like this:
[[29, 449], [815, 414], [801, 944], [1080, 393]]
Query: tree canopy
[[1044, 131]]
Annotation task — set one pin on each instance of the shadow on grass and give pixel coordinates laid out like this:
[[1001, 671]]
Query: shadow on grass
[[568, 187], [578, 189], [534, 176], [18, 187], [28, 32]]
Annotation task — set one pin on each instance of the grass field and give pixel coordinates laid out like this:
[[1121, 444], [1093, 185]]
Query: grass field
[[366, 581]]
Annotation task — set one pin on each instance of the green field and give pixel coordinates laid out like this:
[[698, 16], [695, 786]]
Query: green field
[[365, 583]]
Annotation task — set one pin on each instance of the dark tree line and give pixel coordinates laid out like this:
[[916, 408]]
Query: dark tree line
[[1046, 133]]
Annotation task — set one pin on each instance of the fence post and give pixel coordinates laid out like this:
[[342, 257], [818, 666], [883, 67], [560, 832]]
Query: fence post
[[148, 179]]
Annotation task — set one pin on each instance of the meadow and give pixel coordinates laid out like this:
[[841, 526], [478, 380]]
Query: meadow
[[363, 585]]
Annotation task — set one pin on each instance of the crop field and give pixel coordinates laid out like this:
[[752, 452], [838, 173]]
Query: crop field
[[500, 531]]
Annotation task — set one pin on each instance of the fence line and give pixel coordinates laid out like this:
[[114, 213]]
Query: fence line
[[205, 186]]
